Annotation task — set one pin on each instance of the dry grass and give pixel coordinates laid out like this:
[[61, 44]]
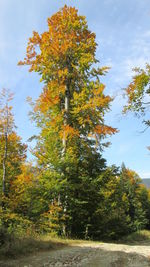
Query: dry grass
[[17, 246], [20, 246]]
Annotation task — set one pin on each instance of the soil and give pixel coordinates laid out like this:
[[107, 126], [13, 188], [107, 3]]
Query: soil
[[87, 255]]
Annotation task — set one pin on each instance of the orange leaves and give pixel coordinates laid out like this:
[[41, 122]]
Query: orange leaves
[[36, 39], [137, 92], [50, 97], [99, 102], [89, 107], [130, 90], [47, 101], [67, 35], [91, 100], [104, 130], [63, 56], [68, 132], [31, 50]]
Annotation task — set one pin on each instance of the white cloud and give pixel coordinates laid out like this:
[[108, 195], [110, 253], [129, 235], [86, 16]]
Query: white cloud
[[143, 174], [135, 55]]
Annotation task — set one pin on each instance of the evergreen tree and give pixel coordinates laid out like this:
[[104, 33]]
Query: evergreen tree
[[130, 183]]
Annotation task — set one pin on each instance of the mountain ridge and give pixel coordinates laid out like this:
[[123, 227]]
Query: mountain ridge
[[146, 182]]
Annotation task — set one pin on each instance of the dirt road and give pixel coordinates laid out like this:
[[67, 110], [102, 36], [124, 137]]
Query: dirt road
[[87, 255]]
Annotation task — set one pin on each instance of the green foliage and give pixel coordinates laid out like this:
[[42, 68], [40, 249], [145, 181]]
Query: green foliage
[[142, 236], [13, 223], [138, 94], [131, 185]]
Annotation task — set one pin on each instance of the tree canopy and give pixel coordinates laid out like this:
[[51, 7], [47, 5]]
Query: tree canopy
[[138, 94]]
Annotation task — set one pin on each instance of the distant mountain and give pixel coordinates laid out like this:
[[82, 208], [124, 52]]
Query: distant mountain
[[146, 182]]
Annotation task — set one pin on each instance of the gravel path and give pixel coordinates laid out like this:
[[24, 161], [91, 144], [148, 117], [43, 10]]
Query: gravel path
[[87, 255]]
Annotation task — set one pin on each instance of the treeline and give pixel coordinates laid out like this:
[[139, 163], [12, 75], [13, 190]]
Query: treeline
[[70, 191], [106, 203]]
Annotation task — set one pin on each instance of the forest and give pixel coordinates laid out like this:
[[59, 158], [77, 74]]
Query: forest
[[70, 191]]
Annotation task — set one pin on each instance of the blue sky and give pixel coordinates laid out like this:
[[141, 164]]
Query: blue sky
[[122, 29]]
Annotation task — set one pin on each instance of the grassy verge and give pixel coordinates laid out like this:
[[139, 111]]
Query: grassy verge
[[17, 246], [140, 237]]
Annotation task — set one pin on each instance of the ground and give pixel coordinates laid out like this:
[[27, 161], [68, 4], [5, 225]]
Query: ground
[[87, 254]]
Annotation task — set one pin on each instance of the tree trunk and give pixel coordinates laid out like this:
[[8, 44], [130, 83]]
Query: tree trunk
[[66, 117], [4, 166], [5, 157], [64, 142]]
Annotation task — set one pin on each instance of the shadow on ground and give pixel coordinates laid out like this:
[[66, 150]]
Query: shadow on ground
[[85, 255]]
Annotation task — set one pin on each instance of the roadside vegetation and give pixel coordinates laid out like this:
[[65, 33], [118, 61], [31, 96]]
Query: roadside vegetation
[[137, 238], [21, 246]]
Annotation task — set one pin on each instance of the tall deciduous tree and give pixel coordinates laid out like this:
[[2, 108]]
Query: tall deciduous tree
[[70, 109], [6, 126], [12, 151]]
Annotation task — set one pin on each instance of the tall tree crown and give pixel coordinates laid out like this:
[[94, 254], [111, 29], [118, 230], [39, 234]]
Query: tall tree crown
[[73, 95]]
